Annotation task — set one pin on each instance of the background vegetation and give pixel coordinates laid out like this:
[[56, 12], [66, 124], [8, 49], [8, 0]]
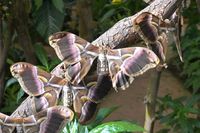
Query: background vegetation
[[26, 24]]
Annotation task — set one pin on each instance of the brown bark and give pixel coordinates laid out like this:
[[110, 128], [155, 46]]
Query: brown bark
[[123, 33], [21, 23], [84, 12], [5, 43], [198, 5], [1, 62]]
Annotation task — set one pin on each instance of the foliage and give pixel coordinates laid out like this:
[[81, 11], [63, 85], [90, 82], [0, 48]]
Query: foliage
[[116, 127], [180, 115], [13, 96], [48, 16], [46, 63], [98, 127], [107, 13], [191, 50]]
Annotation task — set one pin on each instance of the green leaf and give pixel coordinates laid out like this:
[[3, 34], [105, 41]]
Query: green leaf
[[59, 4], [38, 3], [101, 115], [20, 95], [48, 19], [54, 62], [10, 82], [107, 15], [41, 54], [116, 127], [9, 61]]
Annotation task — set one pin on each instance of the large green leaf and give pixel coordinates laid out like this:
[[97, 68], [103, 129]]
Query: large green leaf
[[38, 3], [41, 55], [59, 4], [116, 127], [10, 82], [48, 19], [101, 115]]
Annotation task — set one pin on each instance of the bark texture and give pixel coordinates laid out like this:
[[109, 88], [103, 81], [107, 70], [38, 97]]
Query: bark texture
[[123, 32], [86, 24], [5, 43], [21, 26]]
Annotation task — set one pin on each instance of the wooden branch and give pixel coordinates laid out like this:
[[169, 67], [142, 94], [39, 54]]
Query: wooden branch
[[123, 32]]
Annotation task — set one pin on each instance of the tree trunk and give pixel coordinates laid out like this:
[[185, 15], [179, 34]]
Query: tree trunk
[[21, 23], [5, 43], [86, 24]]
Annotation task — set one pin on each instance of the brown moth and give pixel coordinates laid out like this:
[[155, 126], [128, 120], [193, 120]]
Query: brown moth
[[76, 53], [52, 87], [56, 116], [26, 74], [118, 58], [150, 28], [116, 68]]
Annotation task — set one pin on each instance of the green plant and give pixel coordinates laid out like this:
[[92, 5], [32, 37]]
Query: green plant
[[179, 115], [46, 63], [190, 42], [13, 96], [48, 16], [99, 127]]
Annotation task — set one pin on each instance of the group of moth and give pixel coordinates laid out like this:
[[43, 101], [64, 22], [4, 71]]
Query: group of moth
[[116, 68]]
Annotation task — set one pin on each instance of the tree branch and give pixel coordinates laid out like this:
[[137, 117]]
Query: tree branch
[[123, 32]]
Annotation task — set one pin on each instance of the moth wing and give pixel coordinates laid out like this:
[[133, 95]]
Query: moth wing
[[78, 100], [76, 53], [33, 79], [55, 119], [69, 47], [73, 73], [127, 63], [27, 76]]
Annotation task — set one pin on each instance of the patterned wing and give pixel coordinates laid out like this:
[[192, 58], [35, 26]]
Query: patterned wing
[[73, 73], [127, 63], [52, 119], [32, 79], [27, 76], [76, 53], [70, 47], [56, 119]]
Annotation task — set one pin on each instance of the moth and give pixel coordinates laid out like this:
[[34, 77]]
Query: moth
[[150, 28], [120, 66], [31, 78], [51, 120]]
